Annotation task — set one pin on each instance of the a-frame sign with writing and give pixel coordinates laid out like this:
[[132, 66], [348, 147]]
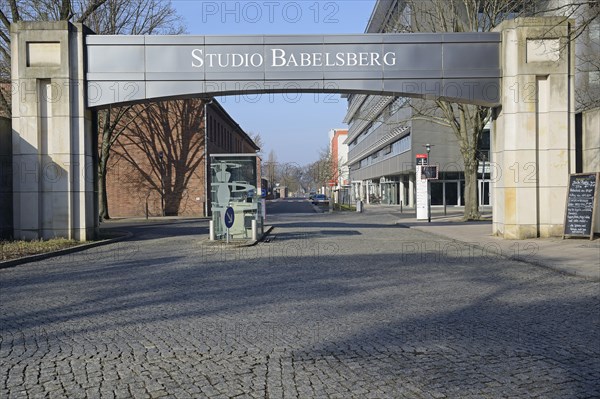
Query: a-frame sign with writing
[[582, 201]]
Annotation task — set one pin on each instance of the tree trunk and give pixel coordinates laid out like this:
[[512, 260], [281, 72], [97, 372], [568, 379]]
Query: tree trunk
[[102, 194], [470, 194], [174, 193], [5, 106], [173, 199], [172, 203], [102, 168]]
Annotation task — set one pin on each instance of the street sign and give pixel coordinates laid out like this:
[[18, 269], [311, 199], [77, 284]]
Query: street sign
[[422, 159], [229, 217], [429, 172]]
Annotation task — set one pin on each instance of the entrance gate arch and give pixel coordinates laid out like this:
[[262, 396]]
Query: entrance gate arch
[[124, 69], [62, 73]]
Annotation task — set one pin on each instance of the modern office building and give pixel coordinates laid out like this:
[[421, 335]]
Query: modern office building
[[384, 137], [384, 140], [383, 143], [134, 180]]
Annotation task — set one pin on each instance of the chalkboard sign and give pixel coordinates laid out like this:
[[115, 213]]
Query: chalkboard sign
[[581, 204]]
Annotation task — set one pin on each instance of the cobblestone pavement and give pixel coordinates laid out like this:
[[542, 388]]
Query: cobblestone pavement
[[334, 306]]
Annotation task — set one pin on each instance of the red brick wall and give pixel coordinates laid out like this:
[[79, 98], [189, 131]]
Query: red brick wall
[[335, 140], [128, 191]]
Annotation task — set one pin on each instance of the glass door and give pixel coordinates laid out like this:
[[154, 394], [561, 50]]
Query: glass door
[[484, 192], [451, 193]]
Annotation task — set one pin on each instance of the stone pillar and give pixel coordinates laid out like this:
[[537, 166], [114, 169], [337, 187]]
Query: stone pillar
[[533, 134], [591, 149], [591, 141], [362, 190], [6, 193], [402, 192], [53, 138]]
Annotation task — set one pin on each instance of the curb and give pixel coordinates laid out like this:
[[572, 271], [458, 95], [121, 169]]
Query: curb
[[246, 243], [66, 251], [265, 234]]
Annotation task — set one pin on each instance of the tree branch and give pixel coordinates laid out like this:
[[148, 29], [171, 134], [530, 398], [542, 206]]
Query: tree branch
[[90, 10], [14, 9]]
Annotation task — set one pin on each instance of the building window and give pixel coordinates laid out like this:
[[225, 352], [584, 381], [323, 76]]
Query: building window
[[397, 104], [594, 77], [396, 148], [594, 30]]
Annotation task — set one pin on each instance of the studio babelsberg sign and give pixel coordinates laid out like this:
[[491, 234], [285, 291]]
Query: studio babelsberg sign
[[281, 58], [123, 69]]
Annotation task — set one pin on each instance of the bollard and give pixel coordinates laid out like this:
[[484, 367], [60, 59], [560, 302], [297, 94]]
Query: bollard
[[359, 206], [211, 230], [254, 231]]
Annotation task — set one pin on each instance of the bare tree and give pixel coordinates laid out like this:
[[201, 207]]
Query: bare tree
[[112, 122], [136, 17], [321, 171], [35, 10], [163, 142], [306, 181], [290, 176], [258, 140], [587, 56], [466, 121], [270, 168]]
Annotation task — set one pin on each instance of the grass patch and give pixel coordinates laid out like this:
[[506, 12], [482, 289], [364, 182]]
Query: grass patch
[[18, 249], [344, 207]]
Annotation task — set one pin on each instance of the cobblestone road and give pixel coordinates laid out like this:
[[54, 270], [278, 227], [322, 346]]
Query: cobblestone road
[[334, 306]]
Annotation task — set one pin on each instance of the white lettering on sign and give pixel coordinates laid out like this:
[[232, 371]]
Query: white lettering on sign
[[197, 55], [227, 60], [281, 58]]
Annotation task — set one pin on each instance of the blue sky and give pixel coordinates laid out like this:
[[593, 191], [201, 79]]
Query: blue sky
[[295, 126]]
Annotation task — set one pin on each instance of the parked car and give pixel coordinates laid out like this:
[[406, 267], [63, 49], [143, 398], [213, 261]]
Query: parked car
[[311, 195], [320, 199]]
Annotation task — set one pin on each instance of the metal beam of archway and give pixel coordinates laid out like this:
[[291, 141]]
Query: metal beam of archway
[[462, 67]]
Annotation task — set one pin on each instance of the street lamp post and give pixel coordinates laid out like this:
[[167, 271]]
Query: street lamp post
[[482, 191], [162, 182]]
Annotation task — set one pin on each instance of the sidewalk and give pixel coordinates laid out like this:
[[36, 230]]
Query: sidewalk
[[574, 256]]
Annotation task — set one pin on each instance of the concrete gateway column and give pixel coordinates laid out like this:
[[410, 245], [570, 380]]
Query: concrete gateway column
[[533, 134], [54, 142], [411, 190]]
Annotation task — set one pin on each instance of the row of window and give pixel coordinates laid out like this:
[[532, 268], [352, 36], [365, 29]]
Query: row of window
[[223, 137], [397, 147], [386, 113]]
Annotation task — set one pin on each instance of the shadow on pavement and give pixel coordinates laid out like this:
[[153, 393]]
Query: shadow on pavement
[[451, 322]]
